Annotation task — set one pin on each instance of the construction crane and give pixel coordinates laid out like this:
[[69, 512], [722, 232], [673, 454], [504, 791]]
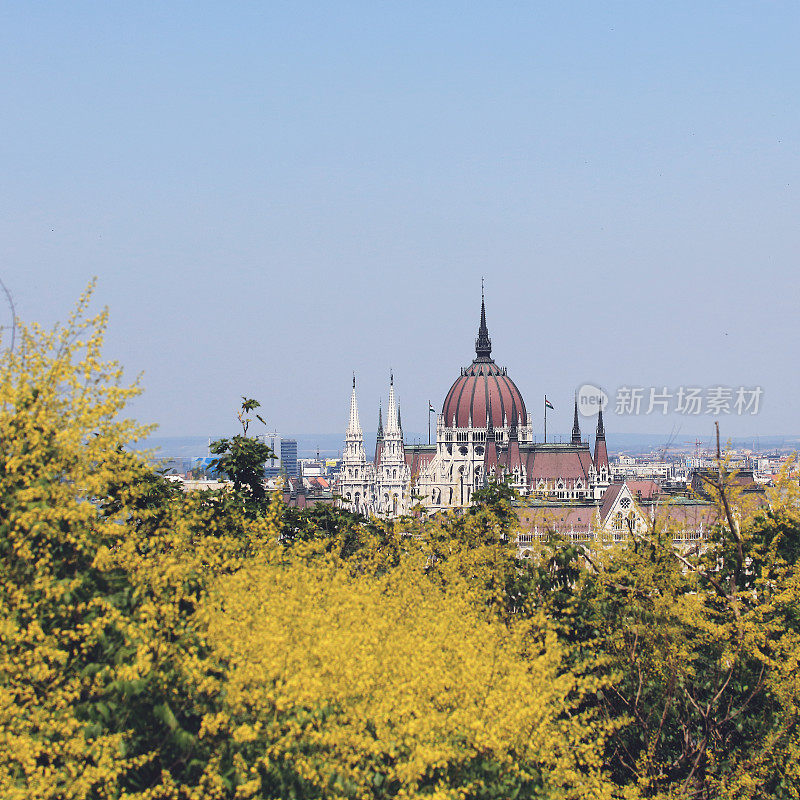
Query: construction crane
[[662, 451], [697, 445]]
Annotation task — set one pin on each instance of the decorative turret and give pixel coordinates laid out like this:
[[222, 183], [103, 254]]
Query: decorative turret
[[353, 481], [392, 472], [392, 448], [576, 428], [600, 451], [354, 438]]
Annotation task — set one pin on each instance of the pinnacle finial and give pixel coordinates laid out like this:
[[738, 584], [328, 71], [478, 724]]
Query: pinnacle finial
[[354, 380], [576, 429], [601, 431]]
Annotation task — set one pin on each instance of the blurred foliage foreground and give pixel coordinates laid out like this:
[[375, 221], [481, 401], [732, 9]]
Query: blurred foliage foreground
[[161, 645]]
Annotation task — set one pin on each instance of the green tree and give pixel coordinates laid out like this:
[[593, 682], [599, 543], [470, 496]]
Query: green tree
[[241, 459]]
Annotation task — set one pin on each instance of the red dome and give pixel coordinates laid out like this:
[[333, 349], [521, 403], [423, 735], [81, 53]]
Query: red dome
[[483, 386], [482, 383]]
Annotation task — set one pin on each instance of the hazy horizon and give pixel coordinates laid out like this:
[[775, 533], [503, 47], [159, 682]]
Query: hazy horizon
[[330, 444]]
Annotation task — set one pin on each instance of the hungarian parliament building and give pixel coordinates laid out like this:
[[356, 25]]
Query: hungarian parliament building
[[484, 432]]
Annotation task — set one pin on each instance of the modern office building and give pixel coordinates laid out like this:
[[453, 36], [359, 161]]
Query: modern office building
[[289, 457], [273, 466]]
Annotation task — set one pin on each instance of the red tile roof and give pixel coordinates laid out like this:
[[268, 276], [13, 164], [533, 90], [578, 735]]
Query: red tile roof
[[551, 463], [609, 497], [644, 489], [417, 458], [558, 517]]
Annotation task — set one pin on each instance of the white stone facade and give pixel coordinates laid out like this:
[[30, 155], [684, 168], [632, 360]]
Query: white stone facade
[[381, 488]]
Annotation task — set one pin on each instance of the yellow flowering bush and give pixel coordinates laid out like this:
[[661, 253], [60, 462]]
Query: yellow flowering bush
[[103, 677], [59, 451], [393, 686]]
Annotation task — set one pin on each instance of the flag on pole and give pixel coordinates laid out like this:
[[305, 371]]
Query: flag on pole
[[431, 409], [548, 404]]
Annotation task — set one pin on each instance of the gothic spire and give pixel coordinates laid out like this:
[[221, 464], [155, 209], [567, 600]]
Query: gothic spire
[[380, 422], [576, 428], [483, 344], [354, 427], [489, 423], [601, 431], [392, 421]]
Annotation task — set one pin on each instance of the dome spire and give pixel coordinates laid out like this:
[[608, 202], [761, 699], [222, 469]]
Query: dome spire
[[483, 344]]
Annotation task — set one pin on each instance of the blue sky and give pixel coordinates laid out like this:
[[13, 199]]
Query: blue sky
[[273, 195]]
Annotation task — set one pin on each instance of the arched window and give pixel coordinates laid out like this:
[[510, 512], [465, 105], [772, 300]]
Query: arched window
[[394, 473]]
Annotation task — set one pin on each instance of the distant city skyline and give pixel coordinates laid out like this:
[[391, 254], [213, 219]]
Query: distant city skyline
[[274, 197]]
